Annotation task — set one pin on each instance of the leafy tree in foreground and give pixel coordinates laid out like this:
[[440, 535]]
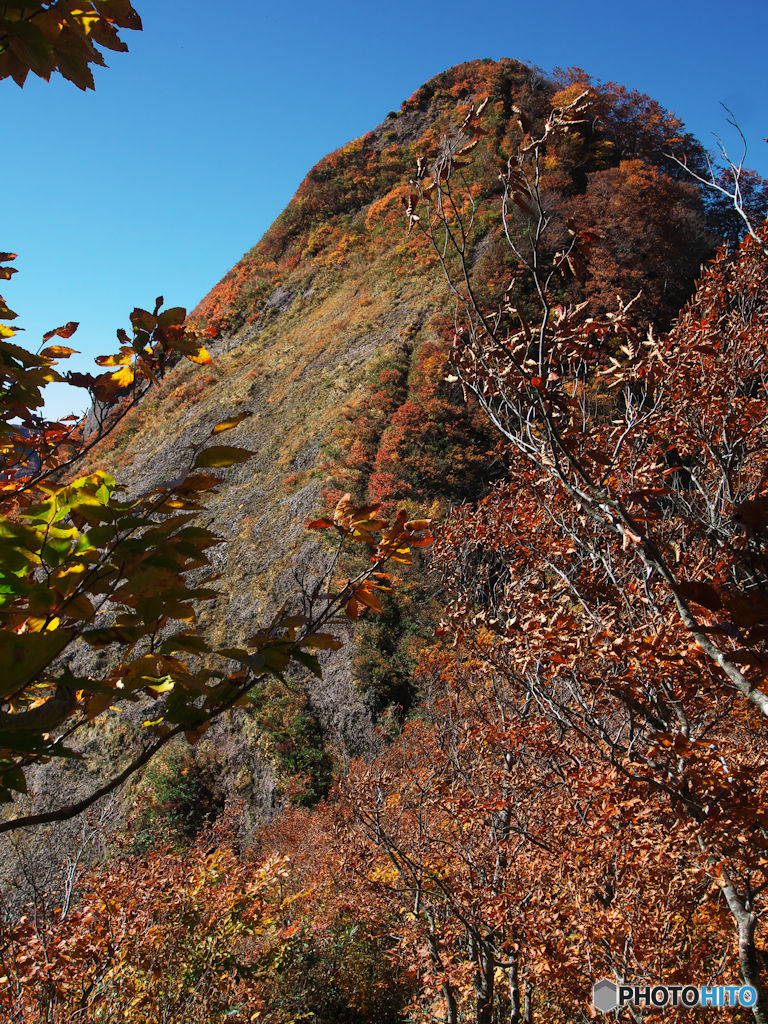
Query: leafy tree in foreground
[[61, 35]]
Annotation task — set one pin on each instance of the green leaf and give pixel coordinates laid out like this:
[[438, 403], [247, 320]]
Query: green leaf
[[179, 711], [276, 659], [221, 455], [309, 661], [23, 657], [58, 547], [41, 512], [255, 662], [234, 653], [172, 317], [31, 47], [199, 533], [14, 779], [163, 684]]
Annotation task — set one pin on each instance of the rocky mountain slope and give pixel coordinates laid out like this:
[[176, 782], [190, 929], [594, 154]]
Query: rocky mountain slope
[[577, 740], [331, 332]]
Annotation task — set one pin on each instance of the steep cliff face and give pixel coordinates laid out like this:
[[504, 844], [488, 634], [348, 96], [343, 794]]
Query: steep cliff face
[[331, 334], [327, 293], [294, 368]]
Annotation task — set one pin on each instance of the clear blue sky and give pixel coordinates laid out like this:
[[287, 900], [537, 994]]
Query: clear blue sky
[[196, 139]]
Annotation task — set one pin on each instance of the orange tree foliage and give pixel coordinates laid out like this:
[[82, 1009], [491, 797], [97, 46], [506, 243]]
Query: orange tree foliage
[[634, 126], [274, 935], [166, 936], [584, 795], [433, 445], [588, 796], [583, 792], [651, 238], [411, 436], [520, 860]]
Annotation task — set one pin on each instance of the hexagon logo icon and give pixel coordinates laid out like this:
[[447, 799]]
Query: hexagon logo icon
[[605, 995]]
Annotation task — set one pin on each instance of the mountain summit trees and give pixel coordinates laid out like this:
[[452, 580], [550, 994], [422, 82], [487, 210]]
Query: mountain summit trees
[[590, 798]]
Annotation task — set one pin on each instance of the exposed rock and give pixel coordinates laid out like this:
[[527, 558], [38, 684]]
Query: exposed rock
[[280, 299]]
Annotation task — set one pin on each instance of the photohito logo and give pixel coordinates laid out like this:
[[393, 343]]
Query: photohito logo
[[609, 995]]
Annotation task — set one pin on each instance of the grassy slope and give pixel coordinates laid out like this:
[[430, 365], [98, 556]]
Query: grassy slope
[[332, 287]]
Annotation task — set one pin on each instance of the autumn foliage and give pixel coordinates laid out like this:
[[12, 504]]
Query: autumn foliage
[[62, 36], [608, 636], [579, 789], [349, 205]]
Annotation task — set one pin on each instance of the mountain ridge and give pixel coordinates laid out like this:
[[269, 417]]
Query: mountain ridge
[[333, 332], [537, 760]]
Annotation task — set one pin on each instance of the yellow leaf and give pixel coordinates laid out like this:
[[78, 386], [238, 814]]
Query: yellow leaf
[[79, 607], [201, 357], [115, 360], [367, 597], [322, 642], [418, 524], [99, 703], [193, 735], [144, 368], [230, 423], [58, 352], [221, 455], [123, 377]]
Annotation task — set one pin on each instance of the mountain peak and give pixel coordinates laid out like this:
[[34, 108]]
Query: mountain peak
[[345, 197]]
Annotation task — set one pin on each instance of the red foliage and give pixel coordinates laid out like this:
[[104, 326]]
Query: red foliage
[[435, 444], [652, 238], [412, 436]]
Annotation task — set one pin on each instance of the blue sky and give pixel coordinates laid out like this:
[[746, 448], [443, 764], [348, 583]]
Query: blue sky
[[196, 139]]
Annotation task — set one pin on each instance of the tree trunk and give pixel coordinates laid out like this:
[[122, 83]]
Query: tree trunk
[[514, 994], [481, 954], [451, 1007], [528, 1004], [746, 923]]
